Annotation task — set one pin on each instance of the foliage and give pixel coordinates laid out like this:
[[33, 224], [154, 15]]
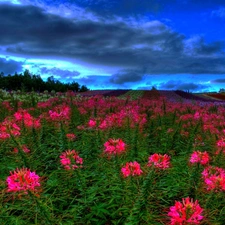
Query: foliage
[[29, 82], [106, 160]]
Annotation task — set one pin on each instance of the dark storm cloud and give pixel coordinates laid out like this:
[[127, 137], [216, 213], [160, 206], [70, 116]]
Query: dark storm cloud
[[180, 85], [64, 74], [126, 76], [218, 81], [30, 31], [10, 66]]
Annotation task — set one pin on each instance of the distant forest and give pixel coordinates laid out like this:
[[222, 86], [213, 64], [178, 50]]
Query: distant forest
[[27, 82]]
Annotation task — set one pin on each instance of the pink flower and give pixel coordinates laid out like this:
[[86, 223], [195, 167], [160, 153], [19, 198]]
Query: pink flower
[[92, 123], [214, 178], [114, 146], [159, 161], [131, 168], [70, 160], [185, 212], [23, 180], [199, 157]]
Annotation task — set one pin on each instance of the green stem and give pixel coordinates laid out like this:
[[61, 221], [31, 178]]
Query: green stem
[[41, 207]]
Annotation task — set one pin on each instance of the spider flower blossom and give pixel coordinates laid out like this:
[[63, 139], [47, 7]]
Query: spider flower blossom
[[23, 180], [131, 168], [185, 212], [114, 146], [70, 160], [159, 161], [214, 178], [199, 157], [71, 137]]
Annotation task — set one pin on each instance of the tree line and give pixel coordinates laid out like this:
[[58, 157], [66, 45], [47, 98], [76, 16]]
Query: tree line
[[27, 82]]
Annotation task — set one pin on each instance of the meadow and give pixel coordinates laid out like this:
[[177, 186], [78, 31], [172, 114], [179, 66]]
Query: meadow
[[111, 158]]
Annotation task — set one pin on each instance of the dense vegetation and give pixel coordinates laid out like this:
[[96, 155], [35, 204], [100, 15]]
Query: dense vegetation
[[29, 82], [135, 160]]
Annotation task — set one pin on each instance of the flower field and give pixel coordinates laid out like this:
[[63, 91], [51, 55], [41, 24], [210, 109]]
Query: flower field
[[111, 157]]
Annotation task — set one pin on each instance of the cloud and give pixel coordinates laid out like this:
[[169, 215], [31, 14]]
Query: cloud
[[218, 81], [63, 74], [126, 44], [196, 45], [10, 66], [126, 76], [219, 13], [181, 85], [144, 88]]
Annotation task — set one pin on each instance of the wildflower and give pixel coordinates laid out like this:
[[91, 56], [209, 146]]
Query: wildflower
[[71, 137], [114, 146], [185, 212], [159, 161], [23, 180], [221, 143], [214, 178], [24, 147], [131, 168], [70, 160], [92, 123], [60, 113], [199, 157]]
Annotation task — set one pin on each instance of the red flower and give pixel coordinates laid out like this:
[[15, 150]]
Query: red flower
[[23, 180], [131, 168], [24, 147], [159, 161], [71, 137], [199, 157], [114, 146], [71, 160], [214, 178], [185, 212]]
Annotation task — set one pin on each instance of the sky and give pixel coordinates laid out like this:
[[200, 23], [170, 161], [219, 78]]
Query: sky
[[117, 44]]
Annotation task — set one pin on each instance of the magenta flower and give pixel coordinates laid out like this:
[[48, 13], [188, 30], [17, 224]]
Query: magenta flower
[[185, 212], [23, 180], [214, 178], [70, 160], [199, 157], [114, 146], [159, 161], [92, 123], [131, 168]]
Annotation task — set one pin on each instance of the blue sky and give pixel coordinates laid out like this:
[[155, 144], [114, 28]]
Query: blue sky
[[117, 44]]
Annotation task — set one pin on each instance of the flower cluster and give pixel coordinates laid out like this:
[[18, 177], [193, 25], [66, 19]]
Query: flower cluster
[[214, 178], [131, 168], [70, 160], [60, 113], [8, 128], [29, 121], [199, 157], [159, 161], [185, 212], [23, 180], [114, 146]]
